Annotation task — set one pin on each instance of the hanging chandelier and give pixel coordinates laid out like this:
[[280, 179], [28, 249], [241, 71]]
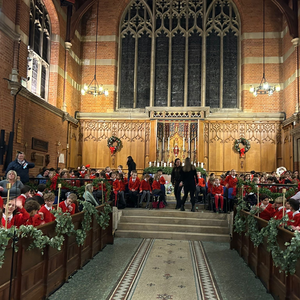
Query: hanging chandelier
[[94, 88], [264, 88]]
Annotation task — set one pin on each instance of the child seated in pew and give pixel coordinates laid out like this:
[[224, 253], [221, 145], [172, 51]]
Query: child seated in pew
[[200, 187], [295, 217], [217, 192], [47, 207], [13, 217], [26, 192], [157, 191], [115, 186], [68, 206], [133, 187], [266, 209], [278, 205], [35, 218]]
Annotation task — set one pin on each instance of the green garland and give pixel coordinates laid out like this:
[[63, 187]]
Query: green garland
[[168, 170], [285, 260], [64, 226]]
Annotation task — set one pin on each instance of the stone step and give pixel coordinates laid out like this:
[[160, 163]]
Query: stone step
[[165, 212], [171, 220], [173, 228], [173, 235]]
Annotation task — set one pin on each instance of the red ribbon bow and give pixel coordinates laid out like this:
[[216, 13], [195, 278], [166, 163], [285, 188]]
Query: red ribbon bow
[[242, 152], [112, 150]]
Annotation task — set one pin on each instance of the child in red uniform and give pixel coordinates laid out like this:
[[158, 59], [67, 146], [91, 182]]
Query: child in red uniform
[[115, 185], [278, 205], [210, 182], [13, 218], [121, 191], [200, 187], [294, 204], [108, 173], [133, 187], [46, 209], [25, 193], [157, 191], [266, 209], [145, 189], [67, 206], [217, 193], [35, 218]]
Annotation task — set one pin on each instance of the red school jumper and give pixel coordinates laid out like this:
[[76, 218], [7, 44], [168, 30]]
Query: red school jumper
[[36, 220], [267, 213], [17, 220], [145, 186], [116, 188], [134, 185], [48, 216], [66, 208]]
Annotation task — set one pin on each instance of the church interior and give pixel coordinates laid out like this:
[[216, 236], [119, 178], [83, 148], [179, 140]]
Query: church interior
[[213, 80]]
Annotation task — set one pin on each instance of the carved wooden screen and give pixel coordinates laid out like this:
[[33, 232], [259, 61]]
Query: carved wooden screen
[[179, 53]]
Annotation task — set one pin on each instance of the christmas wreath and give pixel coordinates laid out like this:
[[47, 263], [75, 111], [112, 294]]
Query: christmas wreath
[[245, 143], [114, 144]]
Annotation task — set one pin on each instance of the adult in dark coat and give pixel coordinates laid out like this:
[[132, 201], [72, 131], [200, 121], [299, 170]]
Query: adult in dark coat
[[21, 166], [175, 179], [131, 165], [188, 178]]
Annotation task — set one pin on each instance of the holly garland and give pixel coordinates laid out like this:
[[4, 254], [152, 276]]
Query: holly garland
[[114, 144], [245, 143]]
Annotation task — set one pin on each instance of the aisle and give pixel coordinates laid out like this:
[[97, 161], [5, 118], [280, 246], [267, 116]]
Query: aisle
[[167, 269], [164, 269]]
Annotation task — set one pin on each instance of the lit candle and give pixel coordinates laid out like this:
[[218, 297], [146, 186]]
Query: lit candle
[[198, 164], [170, 164], [154, 164], [195, 164], [157, 164], [150, 163], [165, 164], [202, 165], [182, 164]]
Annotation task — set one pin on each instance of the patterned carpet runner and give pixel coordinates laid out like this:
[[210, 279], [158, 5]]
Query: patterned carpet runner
[[167, 270]]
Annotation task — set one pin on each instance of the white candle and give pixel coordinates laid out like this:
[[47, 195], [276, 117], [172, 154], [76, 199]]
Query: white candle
[[168, 143], [154, 164], [202, 165], [183, 144], [182, 164], [163, 144], [157, 164], [150, 163], [198, 164], [170, 164], [165, 164], [195, 164], [192, 162]]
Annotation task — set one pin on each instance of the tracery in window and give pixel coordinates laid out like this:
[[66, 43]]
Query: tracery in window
[[179, 53], [38, 49]]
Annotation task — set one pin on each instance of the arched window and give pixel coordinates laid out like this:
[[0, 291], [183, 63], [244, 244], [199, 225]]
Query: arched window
[[179, 53], [38, 49]]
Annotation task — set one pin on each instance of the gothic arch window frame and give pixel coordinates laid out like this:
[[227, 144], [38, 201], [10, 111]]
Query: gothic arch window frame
[[205, 15], [38, 71]]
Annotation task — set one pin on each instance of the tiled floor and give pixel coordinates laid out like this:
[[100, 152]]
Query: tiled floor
[[97, 279]]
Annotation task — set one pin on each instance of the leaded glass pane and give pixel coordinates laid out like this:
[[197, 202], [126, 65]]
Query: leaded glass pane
[[34, 78], [43, 82]]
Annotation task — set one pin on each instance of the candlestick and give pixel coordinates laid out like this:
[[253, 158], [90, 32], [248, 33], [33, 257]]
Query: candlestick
[[58, 198], [283, 202], [283, 191], [8, 186]]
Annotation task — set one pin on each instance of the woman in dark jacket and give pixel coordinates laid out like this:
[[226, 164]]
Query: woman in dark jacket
[[131, 166], [21, 166], [175, 179], [188, 178]]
